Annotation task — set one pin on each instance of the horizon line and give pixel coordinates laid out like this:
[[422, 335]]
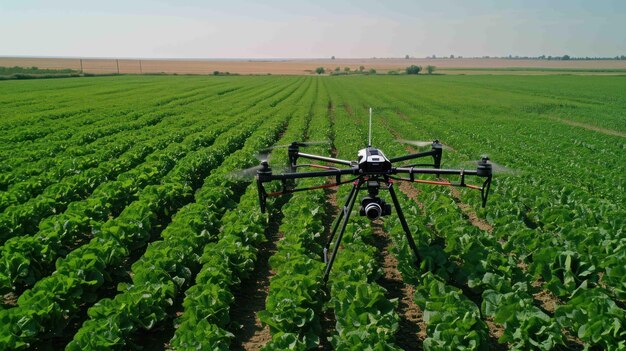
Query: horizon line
[[455, 57]]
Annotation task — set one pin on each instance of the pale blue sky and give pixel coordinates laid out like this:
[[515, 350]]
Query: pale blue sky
[[302, 29]]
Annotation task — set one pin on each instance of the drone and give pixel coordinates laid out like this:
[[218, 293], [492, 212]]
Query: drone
[[372, 171]]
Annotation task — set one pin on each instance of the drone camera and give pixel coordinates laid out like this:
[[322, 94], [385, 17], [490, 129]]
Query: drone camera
[[374, 207]]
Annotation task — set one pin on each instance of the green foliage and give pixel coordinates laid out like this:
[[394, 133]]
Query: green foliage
[[453, 321], [596, 319], [320, 70], [85, 190], [526, 327], [7, 71], [413, 69]]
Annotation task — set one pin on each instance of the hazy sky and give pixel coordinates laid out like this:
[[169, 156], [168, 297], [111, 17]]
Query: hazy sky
[[321, 28]]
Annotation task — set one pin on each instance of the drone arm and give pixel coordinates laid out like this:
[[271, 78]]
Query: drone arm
[[324, 186], [267, 176], [434, 152], [325, 159], [328, 173], [412, 171], [484, 189]]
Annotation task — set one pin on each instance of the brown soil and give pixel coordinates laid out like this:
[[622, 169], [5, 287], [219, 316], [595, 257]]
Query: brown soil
[[9, 300], [572, 342], [590, 127], [548, 300], [299, 66], [250, 296], [469, 213], [412, 192], [495, 332], [327, 319], [412, 330]]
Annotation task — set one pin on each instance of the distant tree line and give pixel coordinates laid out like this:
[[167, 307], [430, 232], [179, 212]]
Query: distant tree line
[[17, 72], [346, 71], [338, 71]]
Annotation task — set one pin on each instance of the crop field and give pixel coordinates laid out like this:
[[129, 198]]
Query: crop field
[[123, 227]]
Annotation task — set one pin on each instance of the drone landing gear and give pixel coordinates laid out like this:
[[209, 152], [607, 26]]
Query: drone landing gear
[[344, 216]]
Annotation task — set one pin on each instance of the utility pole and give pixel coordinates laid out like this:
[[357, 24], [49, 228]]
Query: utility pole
[[117, 62]]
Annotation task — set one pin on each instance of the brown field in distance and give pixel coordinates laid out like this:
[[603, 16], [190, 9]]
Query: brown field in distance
[[307, 66]]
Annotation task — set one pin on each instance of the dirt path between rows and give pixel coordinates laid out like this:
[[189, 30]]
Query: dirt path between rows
[[328, 321], [412, 331], [250, 296], [469, 213], [590, 127]]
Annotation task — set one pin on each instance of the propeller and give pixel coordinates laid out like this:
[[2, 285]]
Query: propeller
[[250, 172], [299, 143], [263, 156], [424, 143], [496, 168]]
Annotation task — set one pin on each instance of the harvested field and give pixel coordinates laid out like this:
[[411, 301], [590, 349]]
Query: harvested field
[[307, 66]]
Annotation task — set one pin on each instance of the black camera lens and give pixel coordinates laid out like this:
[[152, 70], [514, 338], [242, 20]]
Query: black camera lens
[[373, 211]]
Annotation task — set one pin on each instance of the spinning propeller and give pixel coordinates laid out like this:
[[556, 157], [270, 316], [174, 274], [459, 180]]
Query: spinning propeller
[[419, 143], [264, 156], [495, 167]]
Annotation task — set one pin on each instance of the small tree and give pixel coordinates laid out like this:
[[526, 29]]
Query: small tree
[[372, 71], [332, 57], [337, 69], [565, 57], [346, 69], [320, 70], [430, 69], [361, 68], [413, 69], [406, 57]]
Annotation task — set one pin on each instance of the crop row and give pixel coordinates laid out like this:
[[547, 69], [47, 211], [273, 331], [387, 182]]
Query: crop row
[[563, 267], [71, 142], [51, 303], [568, 266], [293, 305], [167, 266], [25, 259], [116, 238], [443, 306], [74, 128], [23, 218], [229, 261]]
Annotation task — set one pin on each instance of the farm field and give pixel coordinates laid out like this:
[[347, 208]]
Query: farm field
[[121, 225], [307, 66]]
